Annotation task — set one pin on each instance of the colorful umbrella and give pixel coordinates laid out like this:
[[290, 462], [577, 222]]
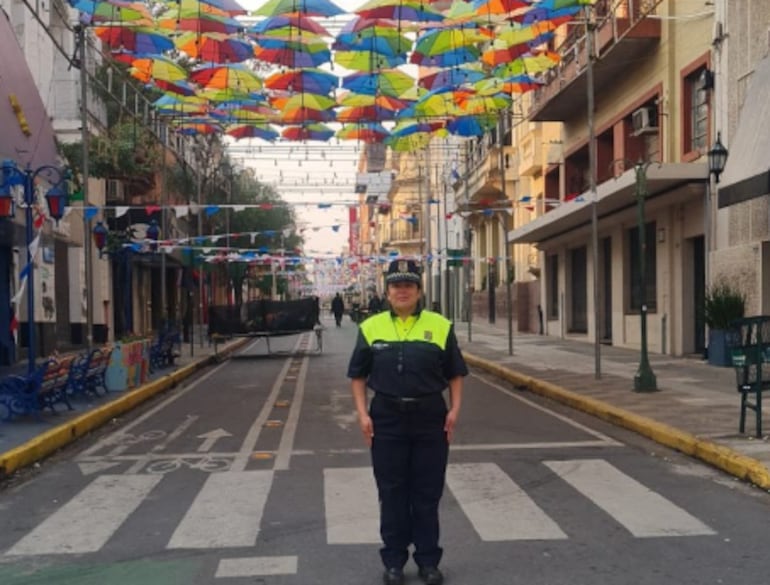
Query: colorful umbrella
[[452, 77], [389, 82], [214, 47], [316, 131], [296, 21], [529, 64], [114, 11], [198, 21], [139, 40], [263, 131], [471, 125], [307, 80], [490, 7], [454, 58], [292, 54], [305, 107], [367, 60], [236, 77], [366, 114], [161, 68], [517, 84], [408, 10], [369, 133], [304, 7], [439, 41]]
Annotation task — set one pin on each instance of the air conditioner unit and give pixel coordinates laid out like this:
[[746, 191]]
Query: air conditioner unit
[[644, 120]]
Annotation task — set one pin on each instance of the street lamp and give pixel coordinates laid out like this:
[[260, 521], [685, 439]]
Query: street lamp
[[56, 198], [644, 380], [717, 157]]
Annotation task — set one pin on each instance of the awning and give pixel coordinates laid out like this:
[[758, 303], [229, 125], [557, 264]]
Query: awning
[[747, 172], [27, 135], [612, 196]]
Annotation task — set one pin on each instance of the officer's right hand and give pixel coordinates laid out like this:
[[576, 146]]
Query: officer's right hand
[[367, 428]]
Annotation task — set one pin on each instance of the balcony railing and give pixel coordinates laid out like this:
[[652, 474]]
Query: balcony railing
[[623, 32]]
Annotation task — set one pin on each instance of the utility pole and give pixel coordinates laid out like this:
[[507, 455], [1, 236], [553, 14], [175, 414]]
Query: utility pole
[[590, 29], [85, 140], [508, 298]]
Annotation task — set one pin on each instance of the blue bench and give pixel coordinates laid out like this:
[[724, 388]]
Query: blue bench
[[44, 388], [749, 344]]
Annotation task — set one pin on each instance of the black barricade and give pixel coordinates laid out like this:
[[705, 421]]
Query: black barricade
[[264, 316]]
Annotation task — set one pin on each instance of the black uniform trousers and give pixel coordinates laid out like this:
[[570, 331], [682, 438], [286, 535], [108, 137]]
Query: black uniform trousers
[[409, 456]]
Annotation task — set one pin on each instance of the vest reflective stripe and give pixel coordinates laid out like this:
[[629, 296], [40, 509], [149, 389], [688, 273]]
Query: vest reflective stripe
[[430, 328]]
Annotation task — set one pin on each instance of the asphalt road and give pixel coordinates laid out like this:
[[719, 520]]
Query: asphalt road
[[256, 472]]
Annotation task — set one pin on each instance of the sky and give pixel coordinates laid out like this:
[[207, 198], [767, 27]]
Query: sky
[[309, 173]]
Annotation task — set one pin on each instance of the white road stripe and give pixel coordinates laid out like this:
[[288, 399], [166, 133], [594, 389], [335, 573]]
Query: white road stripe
[[641, 511], [256, 566], [352, 509], [498, 508], [290, 428], [87, 521], [226, 512]]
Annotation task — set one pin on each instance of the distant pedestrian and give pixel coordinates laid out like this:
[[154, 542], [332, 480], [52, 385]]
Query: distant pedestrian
[[338, 309], [375, 304], [408, 357]]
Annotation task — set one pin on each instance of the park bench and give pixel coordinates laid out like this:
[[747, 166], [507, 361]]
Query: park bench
[[749, 345], [164, 351], [96, 368], [44, 388]]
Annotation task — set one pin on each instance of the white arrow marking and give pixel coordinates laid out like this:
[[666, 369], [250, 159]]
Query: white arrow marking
[[210, 438]]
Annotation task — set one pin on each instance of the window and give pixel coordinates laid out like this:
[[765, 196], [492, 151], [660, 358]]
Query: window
[[635, 297], [696, 111], [552, 274]]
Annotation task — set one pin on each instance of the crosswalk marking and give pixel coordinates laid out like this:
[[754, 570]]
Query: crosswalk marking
[[641, 511], [498, 508], [352, 511], [87, 521], [256, 566], [226, 512]]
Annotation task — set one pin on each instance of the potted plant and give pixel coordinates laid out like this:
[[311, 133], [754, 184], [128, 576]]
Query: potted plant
[[724, 303]]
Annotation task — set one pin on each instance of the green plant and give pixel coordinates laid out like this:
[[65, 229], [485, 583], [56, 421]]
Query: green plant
[[724, 303]]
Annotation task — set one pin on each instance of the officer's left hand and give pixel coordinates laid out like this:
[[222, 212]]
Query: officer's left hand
[[449, 424]]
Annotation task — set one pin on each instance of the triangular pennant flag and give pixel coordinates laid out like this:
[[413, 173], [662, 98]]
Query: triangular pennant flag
[[150, 209], [181, 210], [121, 210], [90, 212]]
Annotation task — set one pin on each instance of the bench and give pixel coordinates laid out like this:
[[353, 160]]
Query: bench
[[749, 345], [163, 351], [44, 388], [96, 368]]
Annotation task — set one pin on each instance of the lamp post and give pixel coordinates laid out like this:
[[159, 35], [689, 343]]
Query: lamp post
[[717, 159], [644, 380], [56, 197]]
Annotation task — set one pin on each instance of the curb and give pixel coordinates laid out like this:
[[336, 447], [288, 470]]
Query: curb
[[54, 439], [724, 458]]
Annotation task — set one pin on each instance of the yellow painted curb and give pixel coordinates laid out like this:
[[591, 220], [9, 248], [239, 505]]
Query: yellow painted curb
[[43, 445], [724, 458]]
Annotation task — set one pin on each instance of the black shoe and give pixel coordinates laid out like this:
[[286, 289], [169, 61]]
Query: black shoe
[[431, 576], [393, 576]]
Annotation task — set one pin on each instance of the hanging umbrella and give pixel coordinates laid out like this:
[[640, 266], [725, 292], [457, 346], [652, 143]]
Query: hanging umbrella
[[452, 77], [471, 125], [363, 100], [501, 52], [305, 107], [389, 82], [539, 13], [529, 64], [454, 58], [411, 142], [181, 87], [292, 54], [367, 60], [439, 41], [174, 104], [157, 67], [366, 114], [323, 8], [517, 34], [405, 10], [198, 21], [236, 76], [299, 22], [114, 11], [390, 45], [369, 133], [214, 94], [308, 80], [316, 131], [516, 84], [138, 40], [231, 7], [407, 127], [263, 131], [494, 7], [214, 47], [482, 104]]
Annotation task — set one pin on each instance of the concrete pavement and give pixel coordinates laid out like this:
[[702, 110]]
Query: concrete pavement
[[695, 410]]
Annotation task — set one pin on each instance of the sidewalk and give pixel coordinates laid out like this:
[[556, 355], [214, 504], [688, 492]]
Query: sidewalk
[[25, 441], [696, 409]]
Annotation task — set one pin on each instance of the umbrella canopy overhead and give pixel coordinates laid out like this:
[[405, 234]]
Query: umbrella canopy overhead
[[278, 66]]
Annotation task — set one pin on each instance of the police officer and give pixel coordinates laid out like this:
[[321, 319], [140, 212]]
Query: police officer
[[408, 356]]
